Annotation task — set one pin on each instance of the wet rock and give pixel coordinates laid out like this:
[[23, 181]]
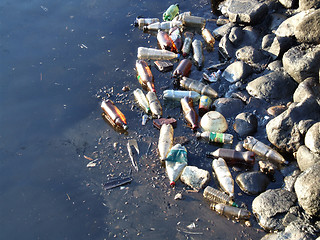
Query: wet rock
[[195, 177], [302, 62], [228, 106], [289, 3], [246, 11], [312, 139], [275, 85], [308, 30], [252, 183], [306, 158], [307, 189], [213, 121], [226, 48], [236, 35], [223, 30], [308, 88], [245, 124], [308, 4], [251, 56], [284, 131], [237, 71], [271, 206]]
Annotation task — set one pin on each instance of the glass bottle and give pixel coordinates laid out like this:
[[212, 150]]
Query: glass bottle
[[198, 57], [155, 54], [204, 104], [144, 75], [164, 40], [171, 12], [186, 47], [175, 35], [233, 157], [114, 115], [214, 137], [230, 211], [142, 100], [154, 103], [207, 36], [183, 68], [165, 26], [189, 113], [171, 94], [197, 86], [193, 21], [216, 196], [141, 22]]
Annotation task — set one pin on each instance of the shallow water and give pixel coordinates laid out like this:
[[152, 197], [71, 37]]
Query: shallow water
[[57, 58]]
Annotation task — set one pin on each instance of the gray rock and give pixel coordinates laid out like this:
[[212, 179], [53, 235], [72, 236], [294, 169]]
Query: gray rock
[[226, 48], [267, 41], [195, 177], [223, 30], [295, 230], [290, 180], [228, 106], [283, 131], [272, 86], [275, 66], [252, 36], [279, 46], [245, 124], [306, 158], [271, 206], [302, 61], [308, 30], [310, 87], [246, 11], [276, 20], [237, 71], [251, 56], [289, 3], [312, 139], [252, 183], [307, 189], [308, 4], [236, 35]]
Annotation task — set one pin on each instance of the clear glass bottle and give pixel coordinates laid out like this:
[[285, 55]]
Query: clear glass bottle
[[165, 26], [114, 115], [193, 21], [186, 47], [175, 35], [189, 113], [154, 103], [171, 94], [197, 86], [155, 54], [198, 57], [142, 100], [141, 22]]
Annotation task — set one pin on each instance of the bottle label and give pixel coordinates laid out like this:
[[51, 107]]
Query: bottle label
[[216, 137]]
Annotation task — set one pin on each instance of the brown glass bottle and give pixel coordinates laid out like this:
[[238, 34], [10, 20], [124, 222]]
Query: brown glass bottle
[[164, 40], [189, 113], [183, 68], [144, 75], [114, 115], [233, 157]]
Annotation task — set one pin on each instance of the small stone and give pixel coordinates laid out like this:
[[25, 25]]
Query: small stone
[[228, 106], [126, 88], [178, 196], [237, 71], [195, 177], [276, 110], [310, 87], [252, 183], [245, 124], [306, 158]]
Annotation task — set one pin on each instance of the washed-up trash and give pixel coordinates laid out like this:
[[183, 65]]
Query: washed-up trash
[[197, 86], [165, 26], [208, 38], [262, 150], [219, 66], [175, 163], [164, 66], [155, 54], [193, 21], [183, 69], [195, 177], [133, 150], [171, 12], [217, 196], [155, 105], [116, 182], [186, 47], [214, 137], [114, 116], [233, 157], [142, 100], [230, 211], [177, 95], [144, 119], [204, 104], [181, 15], [213, 121], [178, 196], [213, 77], [159, 122], [189, 113], [267, 167], [165, 41], [141, 22], [175, 35], [198, 57], [165, 141], [144, 75], [223, 175]]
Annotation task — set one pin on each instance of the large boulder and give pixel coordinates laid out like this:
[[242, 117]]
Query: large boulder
[[308, 30], [312, 139], [308, 4], [306, 158], [310, 87], [237, 71]]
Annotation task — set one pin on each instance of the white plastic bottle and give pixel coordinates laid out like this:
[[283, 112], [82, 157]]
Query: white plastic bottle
[[155, 54], [179, 94]]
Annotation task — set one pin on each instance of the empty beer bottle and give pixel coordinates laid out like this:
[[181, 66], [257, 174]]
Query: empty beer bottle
[[216, 196], [198, 57], [165, 141], [164, 40], [165, 26], [230, 211], [171, 94], [175, 35], [223, 175], [154, 103], [193, 21], [144, 75], [216, 137], [207, 36], [171, 12], [114, 115], [204, 105], [233, 157], [183, 68], [186, 47], [199, 87], [142, 100], [141, 22], [189, 113], [155, 54]]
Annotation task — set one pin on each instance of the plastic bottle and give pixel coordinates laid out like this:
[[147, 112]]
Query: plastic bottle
[[230, 211], [178, 94], [176, 162], [186, 47], [262, 150], [204, 105], [171, 12], [142, 100], [189, 113], [141, 22], [224, 176], [183, 69], [214, 137], [165, 141], [181, 15], [208, 38], [165, 26], [193, 21], [216, 196], [199, 87], [233, 156], [198, 57], [154, 103], [155, 54], [213, 77], [144, 75], [164, 40], [114, 115], [175, 35]]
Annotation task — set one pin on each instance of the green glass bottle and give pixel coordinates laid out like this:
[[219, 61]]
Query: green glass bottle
[[171, 12]]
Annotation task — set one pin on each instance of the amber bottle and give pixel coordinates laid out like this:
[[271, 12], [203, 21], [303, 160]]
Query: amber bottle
[[183, 69], [114, 115], [144, 75]]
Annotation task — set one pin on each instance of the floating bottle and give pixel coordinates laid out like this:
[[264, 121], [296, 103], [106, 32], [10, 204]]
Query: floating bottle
[[216, 196], [197, 86], [181, 15], [230, 211], [204, 104], [144, 75], [183, 68], [176, 162], [214, 137], [186, 47], [154, 104], [114, 115], [165, 26], [165, 141], [233, 157], [142, 100], [171, 12], [262, 150], [164, 40], [141, 22], [223, 175], [198, 57], [189, 113], [175, 35], [193, 21], [155, 54], [178, 94], [208, 38]]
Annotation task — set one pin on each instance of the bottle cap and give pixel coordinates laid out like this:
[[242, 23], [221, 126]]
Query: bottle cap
[[125, 127], [172, 184]]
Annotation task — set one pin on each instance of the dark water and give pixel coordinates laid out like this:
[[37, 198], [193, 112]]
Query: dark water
[[56, 58]]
